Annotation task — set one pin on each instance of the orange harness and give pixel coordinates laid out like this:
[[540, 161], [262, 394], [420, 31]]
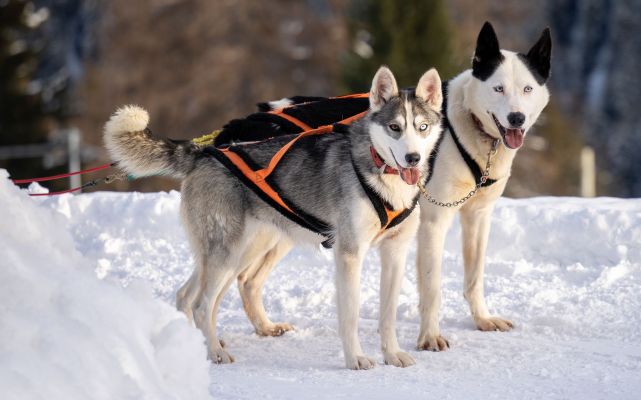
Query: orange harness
[[256, 177]]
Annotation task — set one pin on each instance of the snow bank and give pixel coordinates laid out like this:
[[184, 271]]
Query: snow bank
[[64, 334]]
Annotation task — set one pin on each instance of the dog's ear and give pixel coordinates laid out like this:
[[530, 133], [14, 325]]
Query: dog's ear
[[429, 89], [383, 88], [487, 56], [539, 57]]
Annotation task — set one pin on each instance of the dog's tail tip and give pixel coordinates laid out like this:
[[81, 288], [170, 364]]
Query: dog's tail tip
[[129, 118]]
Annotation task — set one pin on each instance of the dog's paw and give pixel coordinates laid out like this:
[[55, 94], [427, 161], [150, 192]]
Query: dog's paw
[[493, 324], [275, 329], [433, 343], [360, 362], [399, 359], [220, 356]]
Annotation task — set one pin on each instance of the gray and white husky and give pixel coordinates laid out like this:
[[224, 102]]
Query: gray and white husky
[[493, 104], [235, 235]]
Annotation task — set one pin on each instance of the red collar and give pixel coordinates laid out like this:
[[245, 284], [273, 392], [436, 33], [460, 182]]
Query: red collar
[[378, 161]]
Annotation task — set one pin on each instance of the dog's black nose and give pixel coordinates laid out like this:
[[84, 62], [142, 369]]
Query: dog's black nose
[[516, 119], [412, 158]]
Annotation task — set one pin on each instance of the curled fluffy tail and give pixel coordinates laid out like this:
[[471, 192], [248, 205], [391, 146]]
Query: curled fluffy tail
[[132, 145]]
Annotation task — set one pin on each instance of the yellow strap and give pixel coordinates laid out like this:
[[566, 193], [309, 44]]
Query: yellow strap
[[206, 140]]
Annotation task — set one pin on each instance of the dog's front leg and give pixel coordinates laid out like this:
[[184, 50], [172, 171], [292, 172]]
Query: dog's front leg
[[349, 260], [435, 223], [393, 252], [475, 225]]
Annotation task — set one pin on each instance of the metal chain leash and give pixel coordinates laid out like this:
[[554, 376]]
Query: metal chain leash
[[484, 177]]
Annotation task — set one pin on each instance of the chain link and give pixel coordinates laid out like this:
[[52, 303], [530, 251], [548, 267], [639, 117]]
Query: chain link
[[484, 177]]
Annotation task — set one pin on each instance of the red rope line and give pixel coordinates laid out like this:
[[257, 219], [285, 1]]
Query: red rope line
[[54, 177]]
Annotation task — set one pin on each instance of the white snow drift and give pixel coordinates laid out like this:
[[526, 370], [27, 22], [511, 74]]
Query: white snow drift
[[66, 335]]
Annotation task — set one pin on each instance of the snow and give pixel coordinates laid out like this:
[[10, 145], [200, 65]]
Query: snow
[[66, 335], [567, 271]]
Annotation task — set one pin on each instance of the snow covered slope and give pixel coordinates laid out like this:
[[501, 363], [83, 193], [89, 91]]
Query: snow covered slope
[[66, 335], [566, 271]]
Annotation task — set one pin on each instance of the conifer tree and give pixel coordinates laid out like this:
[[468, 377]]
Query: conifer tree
[[409, 36]]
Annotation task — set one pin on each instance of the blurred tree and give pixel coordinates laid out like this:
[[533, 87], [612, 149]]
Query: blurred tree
[[409, 36], [23, 119]]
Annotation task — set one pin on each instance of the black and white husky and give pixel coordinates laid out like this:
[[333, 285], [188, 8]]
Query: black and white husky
[[237, 236], [494, 104]]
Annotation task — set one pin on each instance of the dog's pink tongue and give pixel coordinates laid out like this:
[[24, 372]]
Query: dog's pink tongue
[[410, 175], [513, 138]]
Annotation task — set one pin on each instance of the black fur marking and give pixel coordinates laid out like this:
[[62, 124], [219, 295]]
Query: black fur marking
[[487, 56], [538, 58], [408, 93]]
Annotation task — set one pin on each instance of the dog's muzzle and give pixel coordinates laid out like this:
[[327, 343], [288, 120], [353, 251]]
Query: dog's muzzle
[[512, 137]]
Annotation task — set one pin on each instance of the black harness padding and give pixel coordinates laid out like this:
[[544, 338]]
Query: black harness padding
[[255, 128], [299, 216], [380, 205], [471, 164], [327, 111], [312, 111]]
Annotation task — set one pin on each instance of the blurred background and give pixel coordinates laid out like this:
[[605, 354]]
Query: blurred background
[[66, 65]]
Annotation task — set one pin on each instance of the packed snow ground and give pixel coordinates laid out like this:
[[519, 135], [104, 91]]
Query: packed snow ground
[[567, 271]]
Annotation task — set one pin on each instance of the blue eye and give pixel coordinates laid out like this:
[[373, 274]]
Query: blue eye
[[422, 127], [527, 89], [498, 89]]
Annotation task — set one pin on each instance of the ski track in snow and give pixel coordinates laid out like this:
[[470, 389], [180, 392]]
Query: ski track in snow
[[565, 270]]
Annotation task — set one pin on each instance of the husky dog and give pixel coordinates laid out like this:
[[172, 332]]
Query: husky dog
[[235, 235], [493, 104]]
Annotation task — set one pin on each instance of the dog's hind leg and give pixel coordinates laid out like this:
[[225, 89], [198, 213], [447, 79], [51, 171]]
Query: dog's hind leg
[[250, 286], [475, 225], [217, 280], [188, 294]]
